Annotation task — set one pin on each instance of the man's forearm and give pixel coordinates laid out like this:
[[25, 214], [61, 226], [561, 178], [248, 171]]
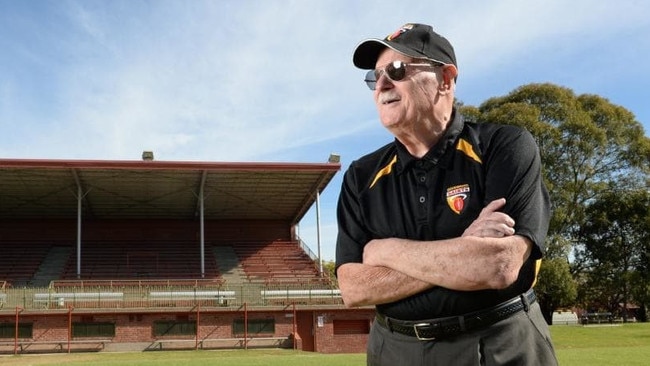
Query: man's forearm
[[464, 264], [362, 284], [487, 256]]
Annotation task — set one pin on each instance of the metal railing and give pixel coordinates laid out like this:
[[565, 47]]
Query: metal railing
[[166, 294], [307, 250]]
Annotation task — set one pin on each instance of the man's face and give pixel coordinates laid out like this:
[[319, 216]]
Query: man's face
[[401, 104]]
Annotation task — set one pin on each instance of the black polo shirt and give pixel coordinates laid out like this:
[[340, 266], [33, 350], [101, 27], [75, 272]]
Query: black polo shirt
[[390, 193]]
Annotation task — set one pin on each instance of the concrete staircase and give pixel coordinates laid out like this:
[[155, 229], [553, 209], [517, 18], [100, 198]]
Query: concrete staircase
[[229, 266], [52, 266]]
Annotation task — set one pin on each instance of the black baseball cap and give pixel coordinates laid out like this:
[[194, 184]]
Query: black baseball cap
[[412, 39]]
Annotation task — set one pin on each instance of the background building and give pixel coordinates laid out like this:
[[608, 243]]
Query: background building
[[143, 255]]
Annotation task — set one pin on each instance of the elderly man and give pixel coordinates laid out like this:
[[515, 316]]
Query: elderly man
[[443, 228]]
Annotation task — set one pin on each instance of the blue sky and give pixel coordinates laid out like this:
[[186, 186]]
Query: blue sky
[[272, 80]]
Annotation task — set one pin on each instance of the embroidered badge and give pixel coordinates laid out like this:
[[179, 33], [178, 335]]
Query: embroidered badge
[[397, 33], [456, 197]]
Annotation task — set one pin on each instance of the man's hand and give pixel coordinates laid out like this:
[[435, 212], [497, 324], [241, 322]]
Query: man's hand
[[487, 256], [491, 223]]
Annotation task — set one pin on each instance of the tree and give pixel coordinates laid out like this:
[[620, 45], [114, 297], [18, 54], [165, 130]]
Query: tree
[[586, 144], [615, 239], [328, 271], [556, 287]]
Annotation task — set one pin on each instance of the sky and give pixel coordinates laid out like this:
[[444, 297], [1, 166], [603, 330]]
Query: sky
[[273, 80]]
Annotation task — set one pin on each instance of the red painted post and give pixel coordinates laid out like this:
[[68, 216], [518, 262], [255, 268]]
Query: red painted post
[[69, 326], [16, 335], [198, 318], [245, 327], [295, 344]]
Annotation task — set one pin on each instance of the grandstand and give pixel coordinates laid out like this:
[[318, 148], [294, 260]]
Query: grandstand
[[148, 255]]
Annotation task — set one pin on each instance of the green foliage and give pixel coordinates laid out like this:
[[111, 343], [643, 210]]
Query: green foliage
[[615, 253], [470, 113], [587, 146], [556, 287], [585, 143], [329, 269]]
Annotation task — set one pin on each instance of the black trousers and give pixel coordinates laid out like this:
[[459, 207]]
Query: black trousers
[[520, 340]]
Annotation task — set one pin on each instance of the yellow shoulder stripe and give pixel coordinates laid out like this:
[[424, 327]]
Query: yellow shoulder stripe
[[384, 171], [538, 265], [468, 149]]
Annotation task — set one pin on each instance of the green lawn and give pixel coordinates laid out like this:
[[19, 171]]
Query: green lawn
[[624, 345], [189, 358], [627, 345]]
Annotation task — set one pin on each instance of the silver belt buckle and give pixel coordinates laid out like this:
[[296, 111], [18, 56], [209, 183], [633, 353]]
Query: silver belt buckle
[[417, 334]]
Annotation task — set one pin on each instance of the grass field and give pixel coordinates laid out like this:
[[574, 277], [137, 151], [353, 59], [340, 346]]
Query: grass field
[[625, 345]]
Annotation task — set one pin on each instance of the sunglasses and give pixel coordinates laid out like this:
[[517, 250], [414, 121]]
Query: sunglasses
[[395, 71]]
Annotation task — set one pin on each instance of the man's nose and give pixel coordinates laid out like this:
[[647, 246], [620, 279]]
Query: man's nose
[[383, 82]]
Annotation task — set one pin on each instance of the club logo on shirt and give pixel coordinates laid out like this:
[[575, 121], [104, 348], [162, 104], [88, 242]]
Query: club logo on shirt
[[456, 197]]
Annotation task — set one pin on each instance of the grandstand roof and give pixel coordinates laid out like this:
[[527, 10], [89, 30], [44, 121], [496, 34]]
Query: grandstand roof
[[160, 189]]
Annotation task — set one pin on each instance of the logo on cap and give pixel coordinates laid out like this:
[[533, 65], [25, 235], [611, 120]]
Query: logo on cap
[[397, 33], [456, 197]]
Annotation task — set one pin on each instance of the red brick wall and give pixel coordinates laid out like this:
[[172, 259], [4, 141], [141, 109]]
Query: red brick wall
[[49, 328], [139, 327], [133, 328], [328, 342]]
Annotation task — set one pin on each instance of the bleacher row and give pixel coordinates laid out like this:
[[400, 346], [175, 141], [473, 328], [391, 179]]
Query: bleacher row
[[165, 259], [261, 262], [20, 261], [279, 260]]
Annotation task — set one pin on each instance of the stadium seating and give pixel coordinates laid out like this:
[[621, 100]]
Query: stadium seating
[[264, 262], [276, 261], [149, 260], [20, 261]]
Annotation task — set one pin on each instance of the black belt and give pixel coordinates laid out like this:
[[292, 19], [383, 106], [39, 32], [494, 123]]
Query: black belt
[[440, 328]]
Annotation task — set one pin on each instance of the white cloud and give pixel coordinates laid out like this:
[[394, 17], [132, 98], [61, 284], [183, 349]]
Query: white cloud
[[241, 89], [260, 80], [250, 79], [503, 32]]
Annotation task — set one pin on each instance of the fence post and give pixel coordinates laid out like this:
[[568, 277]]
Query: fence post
[[69, 326], [245, 327], [198, 322], [16, 335]]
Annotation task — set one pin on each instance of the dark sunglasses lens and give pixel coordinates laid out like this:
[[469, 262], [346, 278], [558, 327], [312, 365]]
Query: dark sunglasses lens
[[396, 71], [371, 79]]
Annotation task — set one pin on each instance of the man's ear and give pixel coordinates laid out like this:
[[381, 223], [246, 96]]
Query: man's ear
[[449, 74]]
